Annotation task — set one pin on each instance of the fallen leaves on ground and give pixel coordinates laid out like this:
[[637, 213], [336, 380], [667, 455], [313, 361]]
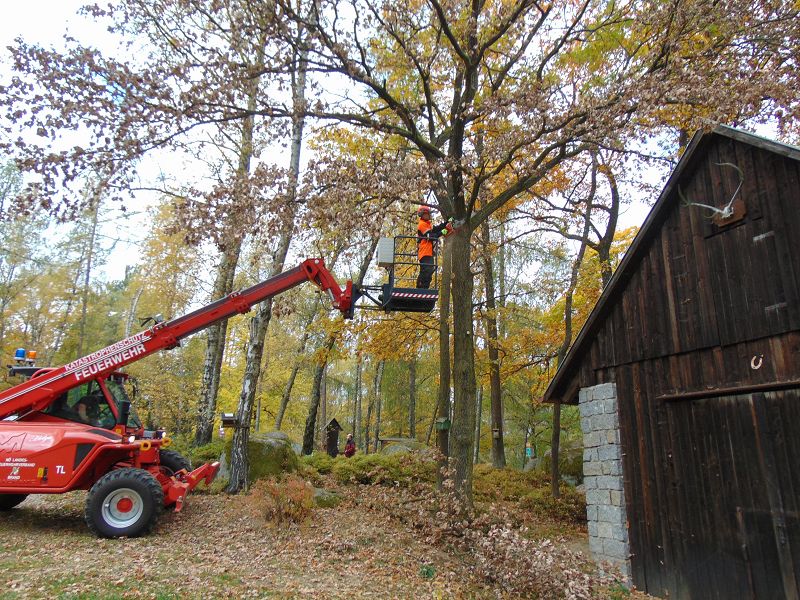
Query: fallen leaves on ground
[[370, 546]]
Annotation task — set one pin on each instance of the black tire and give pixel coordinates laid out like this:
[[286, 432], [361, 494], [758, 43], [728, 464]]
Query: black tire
[[172, 462], [126, 502], [9, 501]]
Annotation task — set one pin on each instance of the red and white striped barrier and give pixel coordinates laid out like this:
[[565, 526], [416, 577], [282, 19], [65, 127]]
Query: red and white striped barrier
[[415, 295]]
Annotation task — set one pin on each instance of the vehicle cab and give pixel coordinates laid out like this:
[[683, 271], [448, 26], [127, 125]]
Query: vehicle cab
[[102, 402]]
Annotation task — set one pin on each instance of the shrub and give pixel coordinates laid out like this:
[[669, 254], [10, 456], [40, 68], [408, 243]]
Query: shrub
[[217, 486], [398, 469], [197, 455], [319, 461], [570, 464], [310, 474], [570, 507], [207, 453], [505, 484], [288, 499]]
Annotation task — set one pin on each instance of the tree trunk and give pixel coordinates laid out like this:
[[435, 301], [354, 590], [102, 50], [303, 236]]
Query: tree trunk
[[88, 274], [132, 312], [260, 387], [501, 279], [378, 403], [308, 435], [604, 245], [555, 440], [479, 410], [313, 402], [258, 329], [301, 348], [412, 398], [443, 401], [463, 428], [368, 421], [490, 321], [241, 434], [287, 389], [215, 345], [525, 446], [356, 429], [434, 416], [323, 405], [373, 396]]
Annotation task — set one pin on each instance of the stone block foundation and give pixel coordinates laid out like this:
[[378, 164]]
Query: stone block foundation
[[602, 469]]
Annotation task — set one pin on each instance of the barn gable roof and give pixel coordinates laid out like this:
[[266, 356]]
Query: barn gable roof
[[564, 386]]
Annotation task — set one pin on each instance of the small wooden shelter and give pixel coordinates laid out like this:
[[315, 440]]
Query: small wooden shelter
[[332, 430], [688, 377]]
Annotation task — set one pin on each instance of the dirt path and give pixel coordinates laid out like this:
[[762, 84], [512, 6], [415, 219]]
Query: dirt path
[[216, 548]]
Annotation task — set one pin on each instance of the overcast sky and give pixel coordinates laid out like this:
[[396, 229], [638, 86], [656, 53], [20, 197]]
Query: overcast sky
[[46, 21], [43, 21]]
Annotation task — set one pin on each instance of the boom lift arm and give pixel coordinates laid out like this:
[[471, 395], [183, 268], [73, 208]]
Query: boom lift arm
[[41, 390]]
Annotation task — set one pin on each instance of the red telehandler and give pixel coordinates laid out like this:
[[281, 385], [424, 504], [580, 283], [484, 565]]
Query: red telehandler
[[73, 427]]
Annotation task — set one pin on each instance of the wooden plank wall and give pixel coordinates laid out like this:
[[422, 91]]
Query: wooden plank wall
[[699, 285], [712, 489], [705, 305]]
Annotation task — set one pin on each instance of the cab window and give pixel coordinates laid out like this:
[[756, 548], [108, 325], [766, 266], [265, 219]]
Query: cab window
[[84, 404], [119, 393]]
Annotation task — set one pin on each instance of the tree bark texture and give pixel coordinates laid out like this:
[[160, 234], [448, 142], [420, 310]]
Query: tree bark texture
[[443, 400], [323, 405], [463, 427], [490, 322], [412, 398], [215, 345], [313, 404], [258, 329], [479, 410], [378, 403], [603, 247], [241, 433], [88, 274], [309, 433], [356, 429], [368, 421], [555, 440]]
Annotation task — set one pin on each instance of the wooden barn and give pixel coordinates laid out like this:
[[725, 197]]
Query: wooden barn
[[687, 374]]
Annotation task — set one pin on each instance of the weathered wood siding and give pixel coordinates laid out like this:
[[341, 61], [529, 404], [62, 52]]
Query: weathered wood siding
[[712, 484]]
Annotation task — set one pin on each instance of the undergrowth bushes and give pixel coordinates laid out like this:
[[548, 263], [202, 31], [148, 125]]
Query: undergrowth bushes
[[505, 484], [280, 500], [570, 507], [198, 455], [530, 490], [372, 469], [318, 461]]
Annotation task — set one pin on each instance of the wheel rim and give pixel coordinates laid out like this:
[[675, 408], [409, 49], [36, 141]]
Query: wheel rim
[[122, 508]]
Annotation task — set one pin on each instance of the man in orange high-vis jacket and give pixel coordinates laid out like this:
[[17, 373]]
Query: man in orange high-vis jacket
[[427, 234]]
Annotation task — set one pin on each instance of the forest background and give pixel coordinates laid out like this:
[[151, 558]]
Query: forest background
[[273, 131]]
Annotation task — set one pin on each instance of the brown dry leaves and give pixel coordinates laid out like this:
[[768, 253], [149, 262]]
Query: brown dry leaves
[[381, 542], [215, 549]]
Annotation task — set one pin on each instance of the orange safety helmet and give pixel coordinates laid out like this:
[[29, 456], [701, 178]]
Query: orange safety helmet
[[423, 209]]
